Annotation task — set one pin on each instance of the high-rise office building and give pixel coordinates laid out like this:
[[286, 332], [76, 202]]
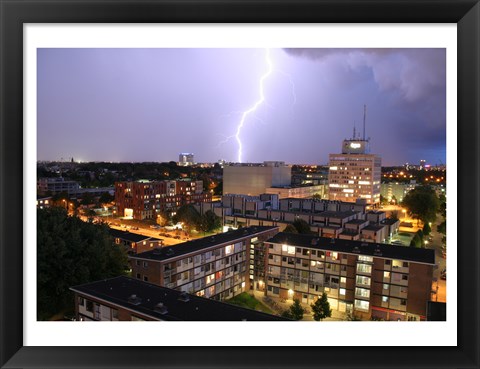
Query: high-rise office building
[[355, 173]]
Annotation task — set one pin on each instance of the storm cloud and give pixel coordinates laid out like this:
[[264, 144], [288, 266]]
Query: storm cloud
[[152, 104]]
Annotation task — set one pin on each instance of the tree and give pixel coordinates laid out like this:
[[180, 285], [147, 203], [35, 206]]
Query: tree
[[394, 200], [427, 229], [295, 311], [162, 219], [189, 216], [422, 203], [88, 199], [316, 196], [302, 226], [290, 229], [416, 241], [106, 198], [210, 222], [321, 308], [442, 227], [71, 252]]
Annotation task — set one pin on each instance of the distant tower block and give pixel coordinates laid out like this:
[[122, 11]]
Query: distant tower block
[[185, 159], [355, 174]]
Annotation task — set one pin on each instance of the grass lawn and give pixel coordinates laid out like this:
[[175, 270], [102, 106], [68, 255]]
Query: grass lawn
[[247, 301]]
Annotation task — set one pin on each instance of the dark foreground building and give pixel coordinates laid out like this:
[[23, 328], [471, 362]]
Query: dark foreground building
[[128, 299]]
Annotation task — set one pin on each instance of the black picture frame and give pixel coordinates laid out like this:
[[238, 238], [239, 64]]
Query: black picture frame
[[15, 13]]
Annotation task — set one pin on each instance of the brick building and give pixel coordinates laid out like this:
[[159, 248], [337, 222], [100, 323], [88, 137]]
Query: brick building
[[147, 199], [370, 280], [216, 267]]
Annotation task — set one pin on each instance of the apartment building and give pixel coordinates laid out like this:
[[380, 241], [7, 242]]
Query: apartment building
[[396, 191], [355, 173], [147, 199], [57, 185], [128, 299], [215, 267], [370, 280], [326, 218]]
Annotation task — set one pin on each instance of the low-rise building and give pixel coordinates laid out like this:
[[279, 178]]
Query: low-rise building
[[135, 243], [128, 299], [44, 202], [56, 185]]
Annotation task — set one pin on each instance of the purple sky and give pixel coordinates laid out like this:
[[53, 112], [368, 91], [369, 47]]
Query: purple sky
[[152, 104]]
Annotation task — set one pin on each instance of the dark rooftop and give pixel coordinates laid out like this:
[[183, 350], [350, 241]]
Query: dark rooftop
[[133, 237], [389, 221], [426, 256], [376, 212], [202, 243], [119, 291], [336, 214], [373, 227], [357, 221]]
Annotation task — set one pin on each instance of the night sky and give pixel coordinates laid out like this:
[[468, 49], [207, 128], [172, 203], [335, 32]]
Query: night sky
[[151, 104]]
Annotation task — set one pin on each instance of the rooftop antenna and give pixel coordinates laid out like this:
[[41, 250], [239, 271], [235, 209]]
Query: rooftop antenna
[[364, 119], [353, 129]]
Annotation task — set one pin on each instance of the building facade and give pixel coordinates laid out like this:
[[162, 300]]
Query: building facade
[[57, 185], [214, 267], [185, 159], [147, 199], [396, 191], [369, 280], [128, 299], [355, 173], [254, 179]]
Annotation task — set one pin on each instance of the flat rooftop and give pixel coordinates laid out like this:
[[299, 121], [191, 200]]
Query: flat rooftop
[[357, 221], [118, 291], [336, 214], [426, 256], [129, 236], [169, 252]]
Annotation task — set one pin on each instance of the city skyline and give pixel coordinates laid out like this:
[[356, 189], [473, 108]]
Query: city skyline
[[151, 104]]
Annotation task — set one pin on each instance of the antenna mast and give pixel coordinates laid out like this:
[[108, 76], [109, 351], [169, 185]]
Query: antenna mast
[[354, 133], [364, 119]]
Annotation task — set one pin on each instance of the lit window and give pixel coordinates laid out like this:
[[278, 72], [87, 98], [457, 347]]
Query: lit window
[[386, 274], [342, 291], [365, 258], [343, 280], [362, 305], [384, 298]]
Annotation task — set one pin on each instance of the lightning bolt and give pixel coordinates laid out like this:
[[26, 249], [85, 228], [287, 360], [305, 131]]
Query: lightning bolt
[[246, 113]]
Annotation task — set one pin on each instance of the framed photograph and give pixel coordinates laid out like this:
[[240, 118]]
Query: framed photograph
[[439, 45]]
